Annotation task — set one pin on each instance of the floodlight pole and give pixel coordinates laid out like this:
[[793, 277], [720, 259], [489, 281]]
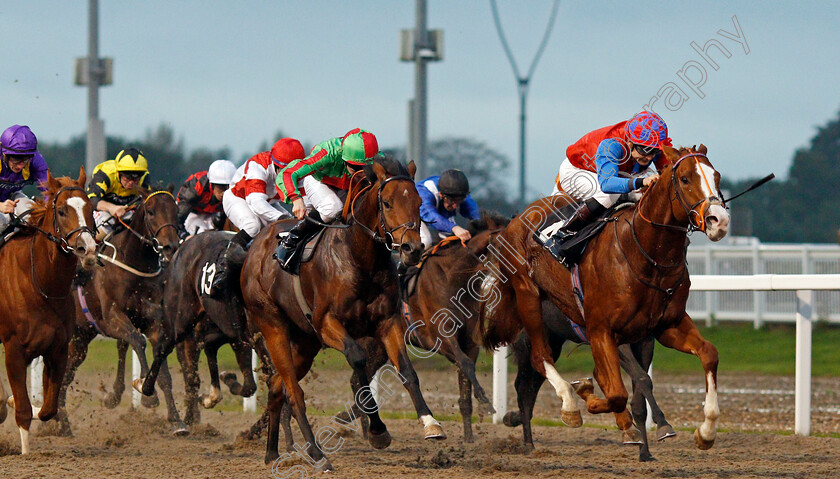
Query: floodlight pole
[[95, 147]]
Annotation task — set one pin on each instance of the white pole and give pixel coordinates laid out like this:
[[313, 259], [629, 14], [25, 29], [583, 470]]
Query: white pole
[[500, 381], [649, 421], [249, 404], [36, 373], [804, 310], [135, 374]]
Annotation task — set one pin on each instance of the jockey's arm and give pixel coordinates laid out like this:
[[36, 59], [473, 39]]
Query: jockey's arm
[[187, 198], [115, 210], [429, 213], [469, 209], [609, 156]]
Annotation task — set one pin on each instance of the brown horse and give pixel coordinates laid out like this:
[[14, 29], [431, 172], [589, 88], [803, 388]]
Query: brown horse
[[634, 278], [123, 297], [38, 267], [350, 286]]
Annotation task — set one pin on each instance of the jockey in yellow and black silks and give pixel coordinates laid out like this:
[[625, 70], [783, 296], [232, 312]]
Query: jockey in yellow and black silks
[[116, 184]]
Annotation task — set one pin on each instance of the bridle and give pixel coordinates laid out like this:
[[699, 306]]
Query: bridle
[[153, 241], [387, 237], [62, 239]]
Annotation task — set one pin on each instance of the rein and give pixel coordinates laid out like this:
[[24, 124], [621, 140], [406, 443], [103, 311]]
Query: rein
[[153, 242]]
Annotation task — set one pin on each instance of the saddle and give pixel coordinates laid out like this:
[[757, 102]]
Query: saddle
[[572, 246], [12, 227], [305, 250]]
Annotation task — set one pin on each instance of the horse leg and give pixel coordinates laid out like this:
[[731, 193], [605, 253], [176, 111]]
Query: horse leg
[[286, 422], [243, 352], [179, 428], [527, 383], [162, 349], [643, 352], [686, 338], [76, 354], [335, 336], [188, 357], [466, 364], [55, 365], [3, 410], [113, 398], [641, 388], [391, 337], [208, 401], [608, 375], [465, 405], [529, 308], [16, 371], [283, 386]]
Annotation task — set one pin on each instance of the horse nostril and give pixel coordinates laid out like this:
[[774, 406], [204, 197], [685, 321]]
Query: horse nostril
[[711, 219]]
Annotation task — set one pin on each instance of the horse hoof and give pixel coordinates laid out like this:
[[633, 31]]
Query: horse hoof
[[380, 441], [324, 466], [433, 431], [664, 432], [701, 443], [180, 430], [207, 402], [584, 387], [150, 402], [512, 419], [631, 437], [646, 457], [571, 418], [111, 400], [228, 377], [485, 409]]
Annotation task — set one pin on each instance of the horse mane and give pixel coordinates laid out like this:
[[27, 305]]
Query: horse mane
[[489, 220], [391, 165], [38, 212]]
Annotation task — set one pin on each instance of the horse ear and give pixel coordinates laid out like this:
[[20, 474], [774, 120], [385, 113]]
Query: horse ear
[[52, 183], [671, 154], [82, 177], [703, 149], [170, 187], [412, 169], [380, 172]]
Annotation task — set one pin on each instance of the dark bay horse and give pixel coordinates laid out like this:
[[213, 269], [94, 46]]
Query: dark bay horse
[[634, 278], [635, 360], [191, 314], [122, 299], [350, 288], [39, 263]]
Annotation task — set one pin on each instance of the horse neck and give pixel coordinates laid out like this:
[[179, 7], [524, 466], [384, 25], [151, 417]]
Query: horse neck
[[134, 251], [363, 248], [665, 244], [53, 275]]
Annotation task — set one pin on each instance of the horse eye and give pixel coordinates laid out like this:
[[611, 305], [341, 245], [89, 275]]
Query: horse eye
[[684, 180], [151, 212], [386, 205], [62, 213]]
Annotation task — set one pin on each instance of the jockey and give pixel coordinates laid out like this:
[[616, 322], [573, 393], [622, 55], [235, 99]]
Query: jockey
[[22, 165], [606, 163], [319, 183], [116, 184], [200, 198], [252, 202], [443, 196]]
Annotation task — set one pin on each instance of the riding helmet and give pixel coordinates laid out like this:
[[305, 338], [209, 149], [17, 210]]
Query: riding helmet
[[221, 172], [454, 184], [359, 147], [648, 129], [131, 159], [286, 150], [18, 140]]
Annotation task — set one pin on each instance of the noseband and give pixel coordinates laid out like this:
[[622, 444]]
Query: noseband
[[62, 239], [153, 241]]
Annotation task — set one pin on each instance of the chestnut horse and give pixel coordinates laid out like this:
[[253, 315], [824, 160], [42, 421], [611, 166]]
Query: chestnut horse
[[350, 288], [634, 279], [123, 298], [35, 308]]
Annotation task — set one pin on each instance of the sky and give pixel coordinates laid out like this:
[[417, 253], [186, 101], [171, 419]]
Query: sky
[[234, 74]]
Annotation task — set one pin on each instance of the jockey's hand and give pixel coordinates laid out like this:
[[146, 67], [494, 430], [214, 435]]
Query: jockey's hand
[[298, 208], [8, 206], [119, 210], [461, 233], [649, 180]]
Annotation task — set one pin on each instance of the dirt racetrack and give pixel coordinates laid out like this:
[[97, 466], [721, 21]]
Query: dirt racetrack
[[757, 417]]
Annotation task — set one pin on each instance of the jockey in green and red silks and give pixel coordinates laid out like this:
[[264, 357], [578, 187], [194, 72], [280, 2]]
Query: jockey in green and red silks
[[324, 176]]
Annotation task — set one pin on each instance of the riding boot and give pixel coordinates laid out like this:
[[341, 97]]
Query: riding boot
[[233, 255], [590, 210], [286, 249]]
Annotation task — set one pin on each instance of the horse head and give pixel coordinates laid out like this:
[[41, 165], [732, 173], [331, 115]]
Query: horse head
[[397, 207], [157, 219], [68, 215], [696, 197]]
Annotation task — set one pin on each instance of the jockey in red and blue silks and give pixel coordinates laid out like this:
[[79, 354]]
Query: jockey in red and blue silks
[[608, 162], [22, 165], [442, 197]]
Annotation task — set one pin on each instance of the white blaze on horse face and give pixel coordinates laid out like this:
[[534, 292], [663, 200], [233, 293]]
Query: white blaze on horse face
[[711, 410], [78, 204], [561, 387], [717, 218]]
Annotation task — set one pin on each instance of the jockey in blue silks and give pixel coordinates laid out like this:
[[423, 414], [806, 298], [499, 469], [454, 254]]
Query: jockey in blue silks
[[442, 197]]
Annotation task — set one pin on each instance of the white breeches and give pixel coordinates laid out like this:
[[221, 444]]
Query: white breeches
[[24, 203], [583, 184], [196, 223], [323, 198], [240, 214]]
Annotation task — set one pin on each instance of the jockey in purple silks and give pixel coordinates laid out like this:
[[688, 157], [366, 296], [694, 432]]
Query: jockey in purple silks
[[21, 165]]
